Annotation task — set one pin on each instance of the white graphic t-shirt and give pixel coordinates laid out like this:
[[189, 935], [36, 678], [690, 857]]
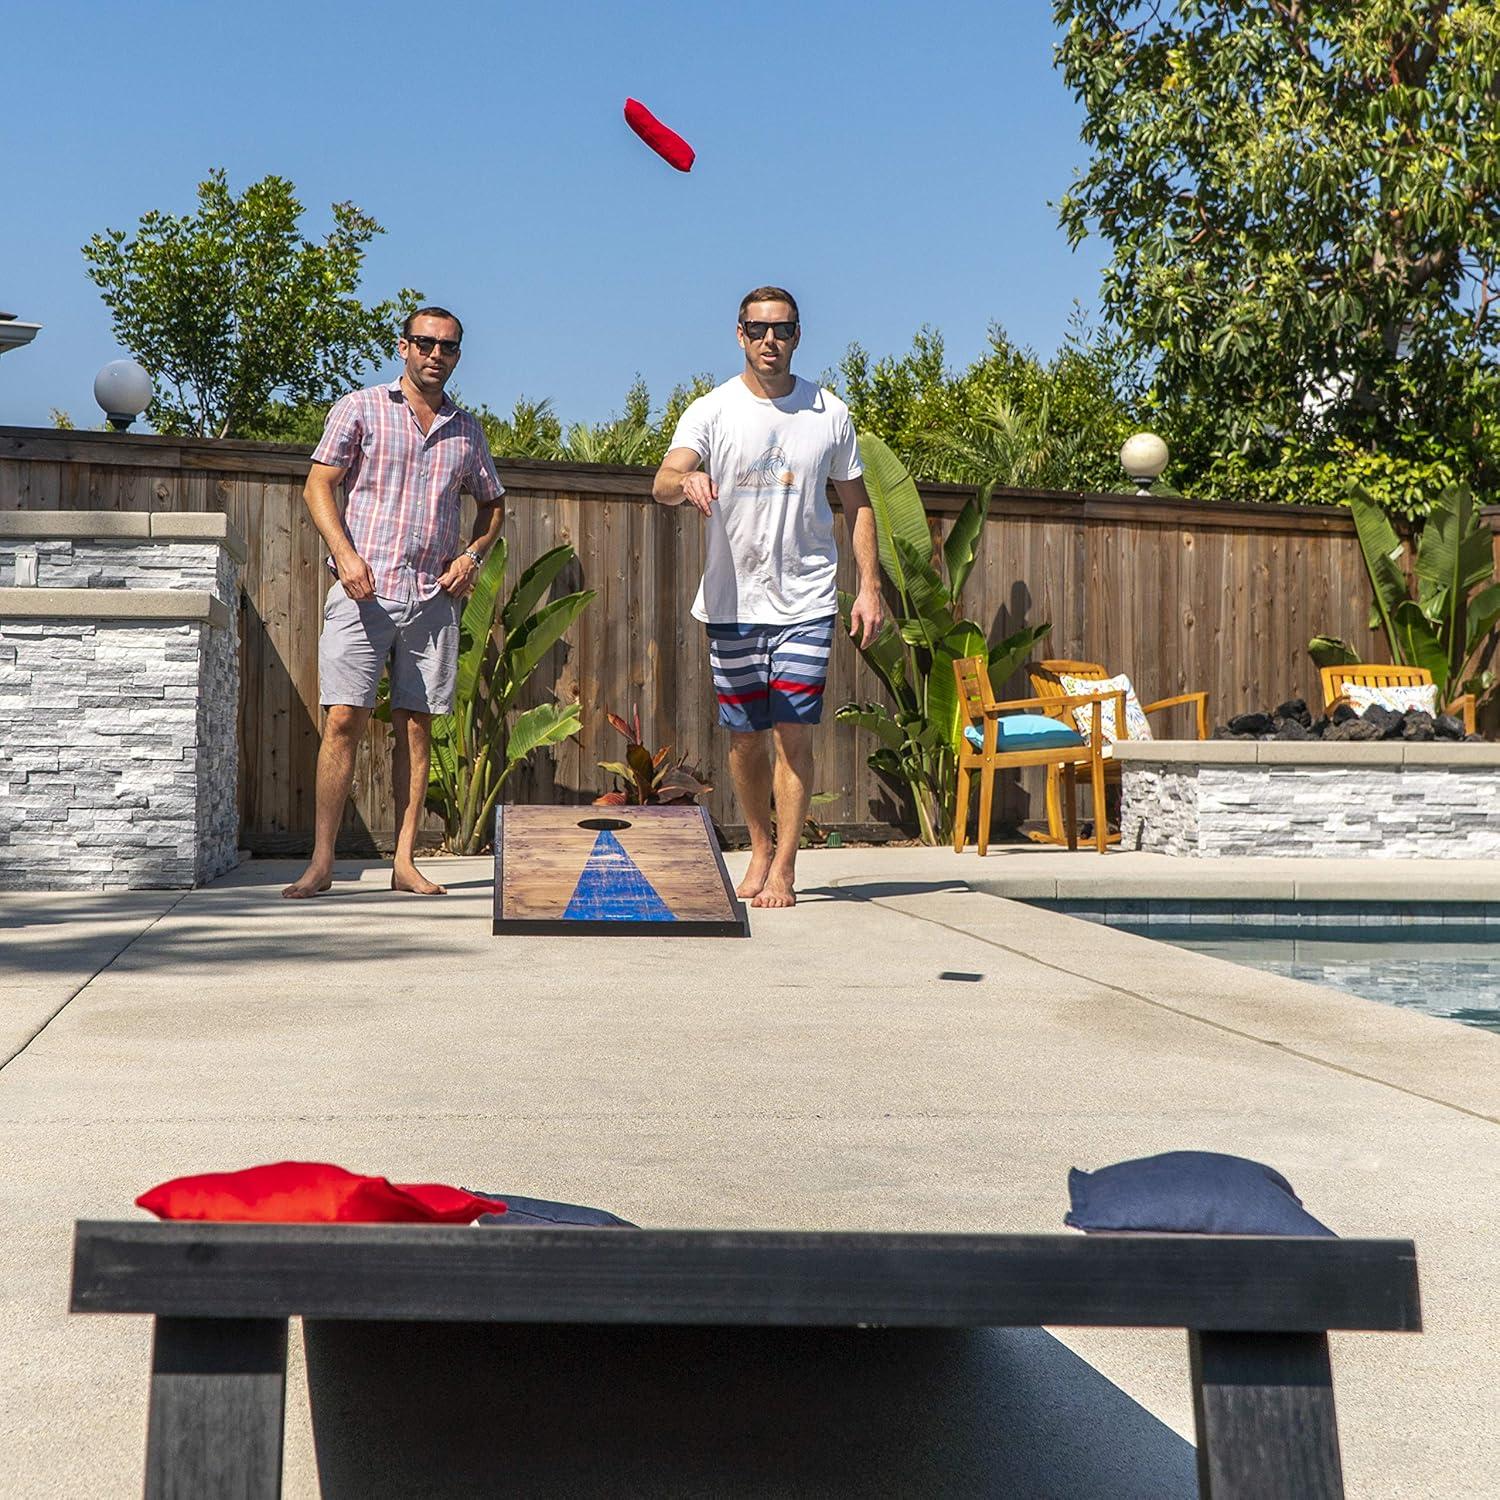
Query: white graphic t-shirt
[[771, 556]]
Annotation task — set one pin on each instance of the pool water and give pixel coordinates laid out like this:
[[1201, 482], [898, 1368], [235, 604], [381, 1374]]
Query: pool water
[[1441, 970]]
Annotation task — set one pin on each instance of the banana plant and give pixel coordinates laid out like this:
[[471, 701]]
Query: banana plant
[[913, 654], [478, 744], [1448, 627]]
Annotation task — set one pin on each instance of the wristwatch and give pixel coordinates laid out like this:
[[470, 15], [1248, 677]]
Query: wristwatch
[[478, 560]]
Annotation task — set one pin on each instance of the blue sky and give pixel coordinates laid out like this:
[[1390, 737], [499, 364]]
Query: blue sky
[[893, 165]]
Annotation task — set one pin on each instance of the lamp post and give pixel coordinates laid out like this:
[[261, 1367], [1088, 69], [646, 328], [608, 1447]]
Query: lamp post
[[14, 333], [1143, 458], [123, 389]]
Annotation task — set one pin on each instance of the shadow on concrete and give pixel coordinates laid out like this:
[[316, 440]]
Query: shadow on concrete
[[422, 1409], [878, 890]]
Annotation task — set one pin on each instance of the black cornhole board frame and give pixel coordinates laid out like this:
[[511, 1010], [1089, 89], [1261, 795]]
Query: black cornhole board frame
[[1257, 1310], [737, 926]]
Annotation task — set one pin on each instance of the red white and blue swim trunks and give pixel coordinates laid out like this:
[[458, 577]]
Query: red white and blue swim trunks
[[770, 674]]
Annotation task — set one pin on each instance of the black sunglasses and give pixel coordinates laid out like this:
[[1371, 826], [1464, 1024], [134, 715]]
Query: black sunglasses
[[426, 344], [755, 330]]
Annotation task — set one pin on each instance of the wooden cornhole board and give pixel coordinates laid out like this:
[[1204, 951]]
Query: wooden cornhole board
[[614, 871]]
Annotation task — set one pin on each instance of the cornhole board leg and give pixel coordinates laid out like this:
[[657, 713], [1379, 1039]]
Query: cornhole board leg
[[218, 1398], [1263, 1405]]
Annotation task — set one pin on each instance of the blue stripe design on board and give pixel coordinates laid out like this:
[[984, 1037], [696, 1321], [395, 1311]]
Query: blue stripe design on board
[[612, 888]]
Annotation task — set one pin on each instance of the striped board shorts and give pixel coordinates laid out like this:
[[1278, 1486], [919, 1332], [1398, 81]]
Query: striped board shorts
[[770, 674]]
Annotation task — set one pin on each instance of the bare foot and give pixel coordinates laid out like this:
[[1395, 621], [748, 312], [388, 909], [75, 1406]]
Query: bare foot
[[755, 877], [313, 881], [775, 892], [409, 878]]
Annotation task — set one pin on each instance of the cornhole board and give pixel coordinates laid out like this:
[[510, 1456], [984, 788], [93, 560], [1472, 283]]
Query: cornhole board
[[613, 871]]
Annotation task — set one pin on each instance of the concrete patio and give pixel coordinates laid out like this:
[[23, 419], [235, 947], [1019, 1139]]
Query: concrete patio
[[908, 1049]]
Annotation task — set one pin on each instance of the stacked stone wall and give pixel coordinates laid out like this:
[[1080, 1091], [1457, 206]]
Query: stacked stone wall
[[118, 719], [1313, 811]]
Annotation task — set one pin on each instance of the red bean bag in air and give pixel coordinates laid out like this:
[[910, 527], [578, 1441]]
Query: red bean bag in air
[[308, 1192], [666, 143]]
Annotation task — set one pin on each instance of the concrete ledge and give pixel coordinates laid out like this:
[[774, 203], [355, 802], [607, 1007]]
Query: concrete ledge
[[71, 525], [126, 525], [198, 526], [112, 604], [1336, 755]]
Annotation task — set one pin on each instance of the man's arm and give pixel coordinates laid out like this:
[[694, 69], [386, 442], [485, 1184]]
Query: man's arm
[[679, 479], [458, 577], [321, 494], [868, 612]]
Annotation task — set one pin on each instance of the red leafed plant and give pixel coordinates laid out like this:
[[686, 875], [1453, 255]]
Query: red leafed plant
[[647, 775]]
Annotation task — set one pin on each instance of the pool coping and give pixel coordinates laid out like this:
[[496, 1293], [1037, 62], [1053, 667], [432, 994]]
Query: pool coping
[[1122, 877], [1343, 755]]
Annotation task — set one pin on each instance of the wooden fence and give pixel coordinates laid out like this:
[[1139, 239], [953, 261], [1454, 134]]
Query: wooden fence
[[1181, 594]]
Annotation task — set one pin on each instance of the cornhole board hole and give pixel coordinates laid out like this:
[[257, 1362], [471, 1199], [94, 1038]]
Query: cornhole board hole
[[614, 871]]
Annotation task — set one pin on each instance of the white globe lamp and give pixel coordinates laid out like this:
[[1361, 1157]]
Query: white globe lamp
[[124, 391], [1143, 458]]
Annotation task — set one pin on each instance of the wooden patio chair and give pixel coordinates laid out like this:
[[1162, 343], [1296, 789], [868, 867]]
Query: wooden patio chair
[[979, 710], [1045, 683], [1372, 674]]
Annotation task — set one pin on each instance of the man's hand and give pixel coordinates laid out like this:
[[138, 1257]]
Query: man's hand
[[355, 575], [458, 578], [699, 490], [866, 617]]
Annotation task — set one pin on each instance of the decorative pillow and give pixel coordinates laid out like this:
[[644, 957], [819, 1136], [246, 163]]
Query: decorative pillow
[[1136, 727], [1420, 695], [1025, 732], [304, 1192], [1188, 1192], [519, 1213]]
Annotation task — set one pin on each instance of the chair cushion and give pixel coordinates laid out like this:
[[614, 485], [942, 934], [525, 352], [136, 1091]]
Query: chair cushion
[[1188, 1192], [515, 1212], [1136, 727], [1420, 695], [1025, 732], [309, 1192]]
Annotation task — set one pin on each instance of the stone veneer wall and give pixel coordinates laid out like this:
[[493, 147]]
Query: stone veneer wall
[[119, 695], [1384, 801]]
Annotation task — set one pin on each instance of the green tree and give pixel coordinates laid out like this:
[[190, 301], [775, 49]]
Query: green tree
[[1008, 418], [534, 430], [241, 321], [1303, 204]]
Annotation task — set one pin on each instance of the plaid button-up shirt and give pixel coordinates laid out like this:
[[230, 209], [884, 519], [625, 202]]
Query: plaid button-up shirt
[[403, 485]]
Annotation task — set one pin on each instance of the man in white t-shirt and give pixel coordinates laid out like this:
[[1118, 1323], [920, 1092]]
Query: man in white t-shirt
[[768, 443]]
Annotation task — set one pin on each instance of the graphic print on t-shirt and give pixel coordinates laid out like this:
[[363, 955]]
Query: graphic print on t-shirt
[[771, 471]]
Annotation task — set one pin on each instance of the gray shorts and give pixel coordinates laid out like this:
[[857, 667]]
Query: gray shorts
[[419, 639]]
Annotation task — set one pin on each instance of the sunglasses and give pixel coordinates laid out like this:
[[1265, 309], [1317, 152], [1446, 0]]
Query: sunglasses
[[426, 344], [755, 330]]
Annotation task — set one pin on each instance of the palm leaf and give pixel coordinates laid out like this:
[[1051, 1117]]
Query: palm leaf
[[961, 547], [1007, 655], [533, 584], [537, 635], [1454, 553], [478, 623], [1418, 642], [875, 717], [931, 605], [1484, 612], [1382, 549], [546, 724], [899, 516], [884, 655]]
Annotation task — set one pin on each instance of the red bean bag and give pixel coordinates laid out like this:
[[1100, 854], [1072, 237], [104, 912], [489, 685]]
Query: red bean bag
[[307, 1192], [666, 143]]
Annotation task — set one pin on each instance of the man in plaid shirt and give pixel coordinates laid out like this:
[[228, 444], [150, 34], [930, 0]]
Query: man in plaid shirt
[[404, 454]]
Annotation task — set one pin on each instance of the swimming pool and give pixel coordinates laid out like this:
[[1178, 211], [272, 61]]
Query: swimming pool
[[1443, 963]]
